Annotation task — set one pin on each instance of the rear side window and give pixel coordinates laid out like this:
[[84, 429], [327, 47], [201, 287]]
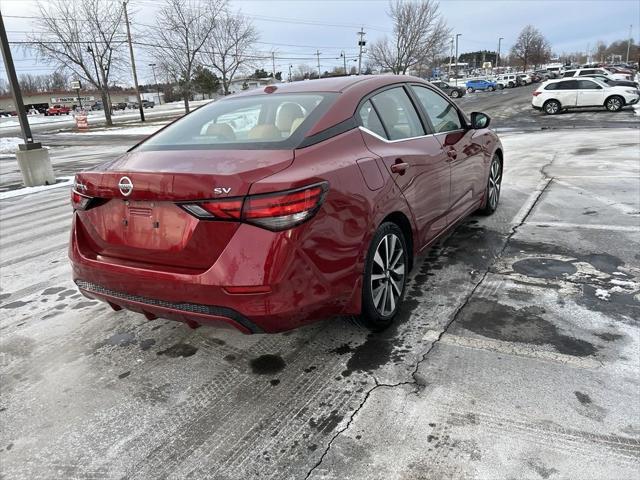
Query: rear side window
[[551, 86], [274, 121], [369, 119], [588, 85], [398, 114], [568, 85], [570, 73], [443, 115], [588, 72]]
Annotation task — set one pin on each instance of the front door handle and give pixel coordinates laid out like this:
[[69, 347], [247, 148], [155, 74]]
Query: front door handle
[[399, 167]]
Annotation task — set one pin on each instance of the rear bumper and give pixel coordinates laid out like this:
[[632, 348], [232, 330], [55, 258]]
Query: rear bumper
[[285, 287]]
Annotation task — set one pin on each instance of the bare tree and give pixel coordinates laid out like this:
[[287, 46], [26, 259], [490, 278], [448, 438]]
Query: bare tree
[[531, 47], [419, 33], [183, 27], [228, 49], [82, 37]]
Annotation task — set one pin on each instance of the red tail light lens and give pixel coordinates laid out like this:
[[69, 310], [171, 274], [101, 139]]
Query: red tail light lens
[[79, 201], [536, 93], [273, 211]]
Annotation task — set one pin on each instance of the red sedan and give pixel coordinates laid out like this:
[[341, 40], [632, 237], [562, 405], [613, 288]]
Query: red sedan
[[276, 207]]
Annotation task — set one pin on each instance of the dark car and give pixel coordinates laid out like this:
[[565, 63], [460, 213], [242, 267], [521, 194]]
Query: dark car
[[120, 106], [279, 206], [614, 83], [451, 90], [148, 103]]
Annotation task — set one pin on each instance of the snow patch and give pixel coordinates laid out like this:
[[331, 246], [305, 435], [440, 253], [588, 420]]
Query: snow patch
[[10, 144], [60, 182], [603, 294], [146, 130]]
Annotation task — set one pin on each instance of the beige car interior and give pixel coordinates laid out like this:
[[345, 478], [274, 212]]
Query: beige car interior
[[289, 117]]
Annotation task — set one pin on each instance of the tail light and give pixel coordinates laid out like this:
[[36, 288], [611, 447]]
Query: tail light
[[273, 211], [536, 93], [80, 201]]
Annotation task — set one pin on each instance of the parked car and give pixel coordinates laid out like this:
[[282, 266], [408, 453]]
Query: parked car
[[57, 110], [556, 95], [97, 106], [523, 78], [119, 106], [320, 208], [148, 104], [473, 85], [581, 72], [614, 83], [544, 75], [451, 90], [507, 81]]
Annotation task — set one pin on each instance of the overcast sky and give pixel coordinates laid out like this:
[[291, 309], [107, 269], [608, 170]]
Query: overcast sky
[[296, 28]]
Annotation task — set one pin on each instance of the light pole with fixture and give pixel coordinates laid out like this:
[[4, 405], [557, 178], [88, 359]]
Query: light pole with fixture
[[153, 68], [457, 35]]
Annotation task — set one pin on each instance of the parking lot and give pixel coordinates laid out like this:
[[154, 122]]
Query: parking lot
[[517, 350]]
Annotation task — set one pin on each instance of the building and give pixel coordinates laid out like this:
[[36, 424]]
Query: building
[[70, 98]]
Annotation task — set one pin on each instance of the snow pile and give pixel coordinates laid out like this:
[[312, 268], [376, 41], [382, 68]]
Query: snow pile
[[636, 109], [60, 182], [9, 144], [146, 130]]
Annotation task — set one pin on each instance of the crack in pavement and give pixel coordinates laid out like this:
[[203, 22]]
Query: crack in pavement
[[418, 381]]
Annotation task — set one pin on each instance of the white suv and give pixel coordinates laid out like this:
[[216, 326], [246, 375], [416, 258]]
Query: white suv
[[581, 72], [554, 96], [507, 81]]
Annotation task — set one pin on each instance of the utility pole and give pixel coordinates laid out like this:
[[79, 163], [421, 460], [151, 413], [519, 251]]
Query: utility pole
[[498, 56], [450, 61], [457, 35], [153, 69], [290, 67], [318, 55], [344, 59], [133, 61], [361, 44], [33, 160], [273, 65], [629, 42]]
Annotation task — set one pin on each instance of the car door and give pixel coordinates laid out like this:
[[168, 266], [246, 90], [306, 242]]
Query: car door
[[463, 147], [589, 94], [567, 93], [393, 130]]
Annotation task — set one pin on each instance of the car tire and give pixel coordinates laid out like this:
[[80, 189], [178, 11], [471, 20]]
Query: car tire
[[551, 107], [455, 94], [385, 277], [469, 90], [500, 86], [614, 103], [491, 89], [511, 85], [494, 184]]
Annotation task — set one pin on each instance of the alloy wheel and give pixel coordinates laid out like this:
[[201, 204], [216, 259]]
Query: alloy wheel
[[614, 104], [388, 274], [495, 181], [551, 108]]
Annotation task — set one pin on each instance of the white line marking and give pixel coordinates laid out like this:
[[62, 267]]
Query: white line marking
[[617, 228]]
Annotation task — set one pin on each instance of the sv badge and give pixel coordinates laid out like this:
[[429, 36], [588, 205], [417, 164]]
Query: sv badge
[[222, 190]]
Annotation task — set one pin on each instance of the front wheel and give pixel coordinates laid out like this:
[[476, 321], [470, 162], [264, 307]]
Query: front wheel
[[614, 104], [492, 195], [455, 94], [500, 86], [469, 90], [491, 89], [385, 277]]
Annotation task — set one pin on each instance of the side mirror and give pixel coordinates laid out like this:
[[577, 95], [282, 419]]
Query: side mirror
[[480, 120]]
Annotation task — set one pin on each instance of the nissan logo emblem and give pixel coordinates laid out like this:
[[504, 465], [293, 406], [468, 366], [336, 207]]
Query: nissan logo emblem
[[126, 186]]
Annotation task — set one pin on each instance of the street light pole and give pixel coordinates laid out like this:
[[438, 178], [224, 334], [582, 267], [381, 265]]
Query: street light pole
[[318, 55], [457, 35], [133, 61], [361, 44], [450, 61], [153, 68], [344, 59], [629, 42], [498, 56], [290, 67]]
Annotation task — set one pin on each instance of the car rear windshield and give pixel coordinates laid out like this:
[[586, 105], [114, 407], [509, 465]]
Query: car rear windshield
[[272, 121]]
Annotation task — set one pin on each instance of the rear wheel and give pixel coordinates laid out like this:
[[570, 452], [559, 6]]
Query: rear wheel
[[492, 195], [385, 274], [551, 107], [615, 103]]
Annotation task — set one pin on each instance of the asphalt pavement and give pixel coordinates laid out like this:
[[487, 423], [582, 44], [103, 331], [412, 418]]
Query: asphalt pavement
[[516, 354]]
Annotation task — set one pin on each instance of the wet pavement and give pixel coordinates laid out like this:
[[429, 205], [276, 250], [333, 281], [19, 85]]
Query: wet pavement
[[515, 355]]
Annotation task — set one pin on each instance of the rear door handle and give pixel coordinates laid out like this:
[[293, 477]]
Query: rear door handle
[[399, 167]]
